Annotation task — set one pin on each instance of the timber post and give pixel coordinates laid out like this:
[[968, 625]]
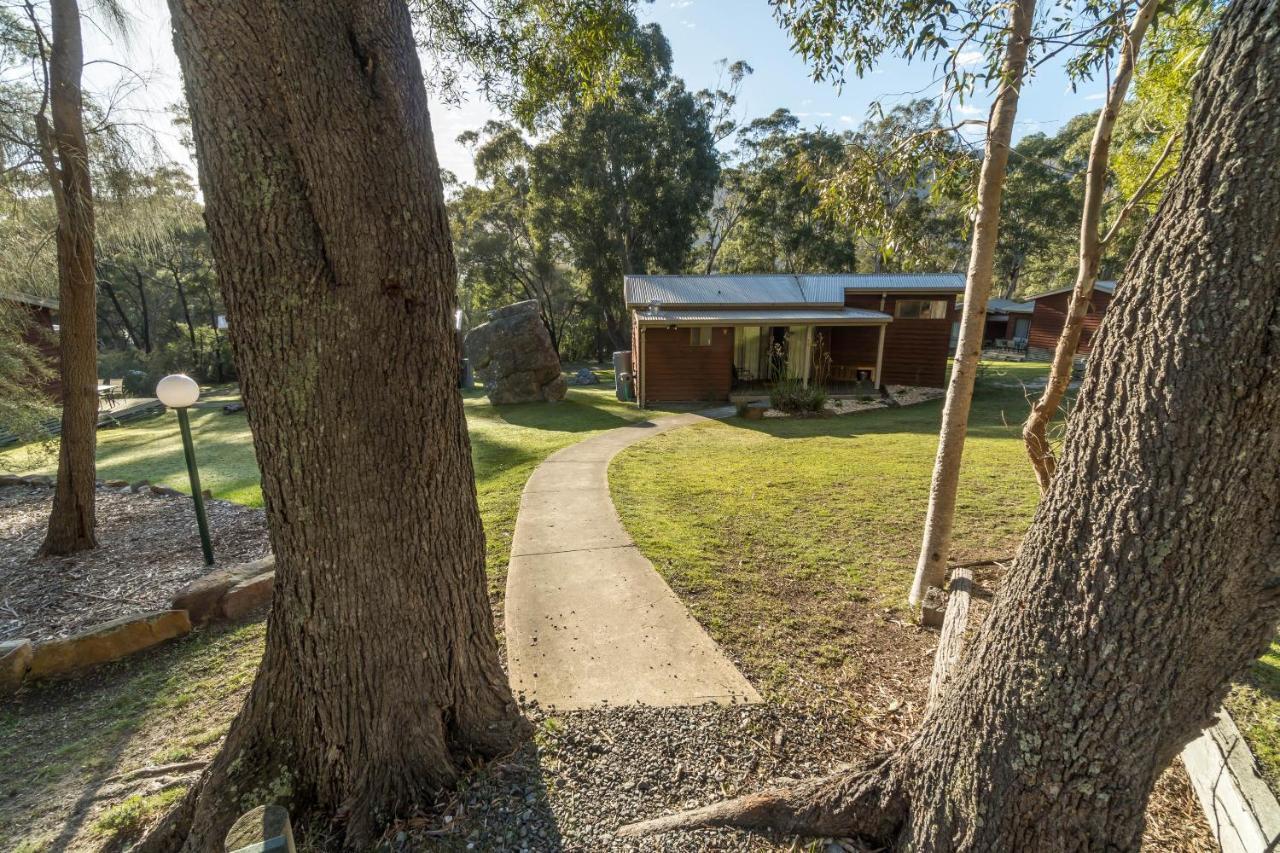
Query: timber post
[[265, 829]]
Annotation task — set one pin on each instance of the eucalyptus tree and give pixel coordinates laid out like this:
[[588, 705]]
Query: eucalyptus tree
[[838, 36], [505, 252], [1042, 209], [626, 179], [1149, 577], [56, 50], [782, 225], [1093, 244], [380, 679]]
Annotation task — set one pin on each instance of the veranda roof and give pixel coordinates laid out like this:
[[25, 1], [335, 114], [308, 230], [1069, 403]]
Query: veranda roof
[[776, 290], [763, 317]]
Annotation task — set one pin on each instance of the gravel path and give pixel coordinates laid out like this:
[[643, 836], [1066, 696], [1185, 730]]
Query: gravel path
[[148, 549], [589, 772]]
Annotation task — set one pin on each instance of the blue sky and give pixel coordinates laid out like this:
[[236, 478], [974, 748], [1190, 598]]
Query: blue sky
[[700, 31]]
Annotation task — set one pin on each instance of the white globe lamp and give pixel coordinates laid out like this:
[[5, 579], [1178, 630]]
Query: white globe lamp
[[177, 391]]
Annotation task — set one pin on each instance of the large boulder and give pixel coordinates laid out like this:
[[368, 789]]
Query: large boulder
[[512, 354]]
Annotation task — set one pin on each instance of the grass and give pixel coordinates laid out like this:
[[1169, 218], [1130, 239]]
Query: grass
[[771, 530], [60, 741], [507, 444], [1255, 705], [127, 819], [749, 521]]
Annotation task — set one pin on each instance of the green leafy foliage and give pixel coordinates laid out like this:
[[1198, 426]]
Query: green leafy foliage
[[795, 397]]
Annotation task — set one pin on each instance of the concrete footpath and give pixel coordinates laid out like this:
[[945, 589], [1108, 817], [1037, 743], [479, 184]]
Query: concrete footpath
[[589, 621]]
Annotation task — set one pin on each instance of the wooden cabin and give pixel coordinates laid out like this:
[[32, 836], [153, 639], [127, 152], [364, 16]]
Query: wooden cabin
[[717, 337]]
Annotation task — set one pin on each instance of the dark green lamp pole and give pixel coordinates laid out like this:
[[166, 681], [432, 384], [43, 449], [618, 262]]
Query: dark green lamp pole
[[179, 392]]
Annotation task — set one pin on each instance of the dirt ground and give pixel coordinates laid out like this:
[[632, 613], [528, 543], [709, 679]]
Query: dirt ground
[[148, 550]]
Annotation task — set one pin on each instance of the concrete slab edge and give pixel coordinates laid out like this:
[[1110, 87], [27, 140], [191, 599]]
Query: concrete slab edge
[[1236, 799]]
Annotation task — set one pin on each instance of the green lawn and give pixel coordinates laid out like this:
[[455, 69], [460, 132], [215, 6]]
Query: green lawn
[[790, 539], [507, 444], [793, 541], [60, 741]]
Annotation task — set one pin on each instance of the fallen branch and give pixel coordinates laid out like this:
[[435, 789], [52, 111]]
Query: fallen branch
[[158, 770], [995, 561], [154, 786]]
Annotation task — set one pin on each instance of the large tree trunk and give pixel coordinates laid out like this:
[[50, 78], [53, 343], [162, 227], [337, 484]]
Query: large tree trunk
[[71, 523], [935, 546], [326, 212], [1151, 573], [1035, 432]]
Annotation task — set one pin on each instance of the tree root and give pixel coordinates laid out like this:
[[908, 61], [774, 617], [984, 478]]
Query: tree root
[[858, 803], [158, 770]]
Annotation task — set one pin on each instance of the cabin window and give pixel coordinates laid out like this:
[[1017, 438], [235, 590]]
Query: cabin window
[[700, 337], [921, 309]]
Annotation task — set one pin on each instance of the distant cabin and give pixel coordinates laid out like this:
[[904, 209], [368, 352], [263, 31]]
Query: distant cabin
[[1034, 325], [713, 337], [40, 330]]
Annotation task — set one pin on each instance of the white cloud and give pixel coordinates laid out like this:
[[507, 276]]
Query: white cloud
[[689, 24], [969, 58], [681, 4], [847, 119], [1096, 96], [971, 110]]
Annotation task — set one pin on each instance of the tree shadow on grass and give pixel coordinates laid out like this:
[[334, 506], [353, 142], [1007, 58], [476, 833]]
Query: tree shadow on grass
[[63, 740]]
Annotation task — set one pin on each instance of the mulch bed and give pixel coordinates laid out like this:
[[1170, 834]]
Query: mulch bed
[[148, 550]]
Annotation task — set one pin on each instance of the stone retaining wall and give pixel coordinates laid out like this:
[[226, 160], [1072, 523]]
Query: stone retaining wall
[[223, 595]]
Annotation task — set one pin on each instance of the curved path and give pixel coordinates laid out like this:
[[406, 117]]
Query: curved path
[[588, 620]]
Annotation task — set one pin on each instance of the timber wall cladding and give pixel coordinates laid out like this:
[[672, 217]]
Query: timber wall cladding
[[915, 351], [676, 371], [1050, 316], [852, 346]]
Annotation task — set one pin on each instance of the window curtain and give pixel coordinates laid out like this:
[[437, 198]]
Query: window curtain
[[795, 352], [746, 351]]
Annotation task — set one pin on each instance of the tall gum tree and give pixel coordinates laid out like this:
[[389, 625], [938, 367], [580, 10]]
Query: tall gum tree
[[935, 546], [1035, 432], [327, 218], [65, 154], [1150, 575]]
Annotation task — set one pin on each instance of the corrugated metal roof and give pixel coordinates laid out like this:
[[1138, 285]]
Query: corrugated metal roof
[[1009, 306], [776, 289], [891, 282], [28, 299], [761, 316], [1102, 286]]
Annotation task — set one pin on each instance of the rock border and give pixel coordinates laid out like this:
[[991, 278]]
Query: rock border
[[1241, 809], [226, 594]]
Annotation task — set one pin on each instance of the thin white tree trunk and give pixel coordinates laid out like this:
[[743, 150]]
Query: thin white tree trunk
[[936, 546], [1092, 244]]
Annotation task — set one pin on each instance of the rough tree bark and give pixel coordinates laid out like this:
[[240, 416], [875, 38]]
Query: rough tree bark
[[1035, 432], [935, 546], [1151, 573], [66, 160], [327, 217]]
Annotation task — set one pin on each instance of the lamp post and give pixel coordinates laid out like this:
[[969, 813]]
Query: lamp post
[[178, 392]]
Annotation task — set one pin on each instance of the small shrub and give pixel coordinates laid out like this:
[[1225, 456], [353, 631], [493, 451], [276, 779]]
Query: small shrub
[[793, 397]]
